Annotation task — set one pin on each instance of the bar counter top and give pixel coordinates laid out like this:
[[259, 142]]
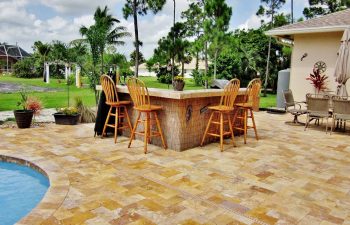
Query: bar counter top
[[171, 94]]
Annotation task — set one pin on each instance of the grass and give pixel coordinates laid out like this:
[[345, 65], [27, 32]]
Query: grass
[[58, 99], [268, 101]]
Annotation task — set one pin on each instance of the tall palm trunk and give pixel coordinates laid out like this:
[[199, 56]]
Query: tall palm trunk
[[173, 58], [197, 60], [269, 53], [206, 63], [44, 74], [182, 68], [102, 66], [136, 74], [267, 67], [215, 58]]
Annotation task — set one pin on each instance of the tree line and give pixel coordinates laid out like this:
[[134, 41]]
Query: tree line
[[202, 34]]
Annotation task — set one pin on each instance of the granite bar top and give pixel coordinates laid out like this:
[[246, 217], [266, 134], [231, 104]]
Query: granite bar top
[[171, 94]]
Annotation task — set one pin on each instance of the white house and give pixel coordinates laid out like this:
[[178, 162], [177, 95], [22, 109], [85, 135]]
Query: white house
[[189, 67], [314, 40]]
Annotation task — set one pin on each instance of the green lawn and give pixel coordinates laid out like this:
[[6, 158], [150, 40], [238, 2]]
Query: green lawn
[[49, 99], [59, 98]]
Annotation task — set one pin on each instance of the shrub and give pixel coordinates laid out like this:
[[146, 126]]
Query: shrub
[[198, 78], [164, 74], [86, 114], [25, 68]]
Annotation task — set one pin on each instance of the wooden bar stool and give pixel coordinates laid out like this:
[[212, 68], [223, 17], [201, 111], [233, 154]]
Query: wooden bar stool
[[112, 100], [140, 97], [223, 109], [251, 99]]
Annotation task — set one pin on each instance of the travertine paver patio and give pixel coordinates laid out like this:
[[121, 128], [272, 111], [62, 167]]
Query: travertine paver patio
[[288, 177]]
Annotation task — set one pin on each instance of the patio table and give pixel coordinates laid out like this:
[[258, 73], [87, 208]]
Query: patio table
[[184, 116]]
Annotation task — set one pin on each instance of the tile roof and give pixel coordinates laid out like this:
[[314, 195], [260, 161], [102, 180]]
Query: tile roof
[[333, 22], [13, 51]]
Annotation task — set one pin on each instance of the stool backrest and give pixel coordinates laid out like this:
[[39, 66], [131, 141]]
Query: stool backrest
[[253, 91], [230, 93], [138, 92], [109, 88]]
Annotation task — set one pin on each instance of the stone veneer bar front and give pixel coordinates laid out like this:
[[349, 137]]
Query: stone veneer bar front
[[184, 116]]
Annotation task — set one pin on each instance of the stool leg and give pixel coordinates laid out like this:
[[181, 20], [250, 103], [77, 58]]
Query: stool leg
[[206, 129], [149, 130], [254, 126], [231, 130], [221, 131], [116, 124], [106, 122], [160, 130], [127, 117], [146, 132], [134, 129], [245, 125]]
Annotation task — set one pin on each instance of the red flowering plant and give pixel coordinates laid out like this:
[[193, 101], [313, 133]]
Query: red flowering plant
[[34, 104], [318, 80]]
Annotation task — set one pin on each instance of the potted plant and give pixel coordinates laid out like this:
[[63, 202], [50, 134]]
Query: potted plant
[[23, 116], [67, 115], [178, 83], [318, 80]]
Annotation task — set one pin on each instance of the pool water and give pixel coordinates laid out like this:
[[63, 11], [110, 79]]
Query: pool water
[[21, 189]]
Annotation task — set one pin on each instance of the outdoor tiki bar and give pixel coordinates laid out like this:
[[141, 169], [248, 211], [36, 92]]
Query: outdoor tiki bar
[[184, 115]]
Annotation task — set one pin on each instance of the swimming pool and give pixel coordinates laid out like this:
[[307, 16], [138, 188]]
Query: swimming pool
[[21, 189]]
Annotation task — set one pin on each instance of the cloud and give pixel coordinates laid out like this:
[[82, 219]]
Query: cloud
[[153, 27], [78, 7], [252, 22]]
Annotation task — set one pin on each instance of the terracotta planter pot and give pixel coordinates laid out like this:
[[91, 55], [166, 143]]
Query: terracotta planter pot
[[64, 119], [23, 118], [178, 85]]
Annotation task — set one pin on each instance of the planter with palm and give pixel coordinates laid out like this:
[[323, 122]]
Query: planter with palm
[[68, 115]]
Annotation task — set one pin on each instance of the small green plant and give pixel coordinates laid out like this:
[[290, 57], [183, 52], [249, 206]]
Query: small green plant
[[23, 99]]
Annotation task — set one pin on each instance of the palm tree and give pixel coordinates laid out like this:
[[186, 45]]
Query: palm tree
[[93, 37], [110, 35], [43, 50]]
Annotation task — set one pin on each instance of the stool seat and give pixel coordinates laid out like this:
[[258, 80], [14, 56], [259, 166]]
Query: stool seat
[[221, 108], [148, 108], [244, 105], [118, 103]]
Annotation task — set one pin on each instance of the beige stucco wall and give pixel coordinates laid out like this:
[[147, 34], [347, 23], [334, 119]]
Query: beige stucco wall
[[319, 47]]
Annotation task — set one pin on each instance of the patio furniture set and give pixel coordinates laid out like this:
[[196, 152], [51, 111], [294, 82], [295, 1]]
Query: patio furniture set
[[319, 107], [147, 113]]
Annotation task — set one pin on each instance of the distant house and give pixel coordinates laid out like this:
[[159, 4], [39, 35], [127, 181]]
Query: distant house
[[313, 40], [9, 55], [189, 67]]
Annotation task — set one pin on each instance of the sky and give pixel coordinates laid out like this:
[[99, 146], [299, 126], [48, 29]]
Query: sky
[[23, 22]]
